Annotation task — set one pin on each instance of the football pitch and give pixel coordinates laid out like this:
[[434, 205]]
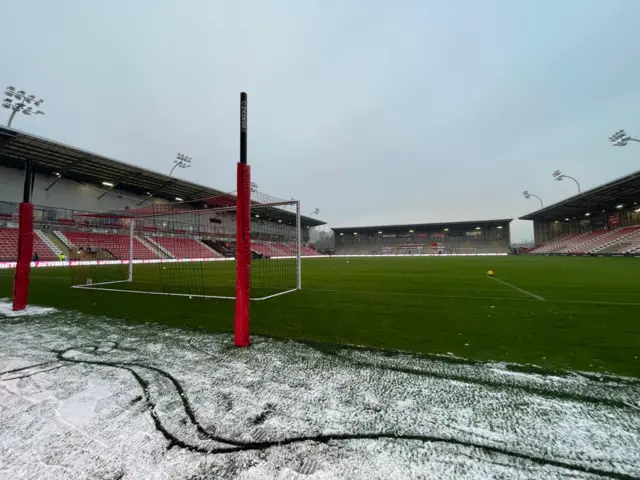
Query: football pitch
[[525, 375], [551, 312]]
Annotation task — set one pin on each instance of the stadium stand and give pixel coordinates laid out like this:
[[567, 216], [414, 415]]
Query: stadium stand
[[177, 247], [557, 244], [264, 249], [601, 221], [621, 240], [455, 238], [117, 245], [69, 183], [224, 248], [609, 239], [275, 249], [580, 243], [9, 246], [309, 252], [627, 243], [283, 249]]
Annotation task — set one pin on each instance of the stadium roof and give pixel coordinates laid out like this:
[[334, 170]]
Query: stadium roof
[[57, 159], [425, 226], [624, 190]]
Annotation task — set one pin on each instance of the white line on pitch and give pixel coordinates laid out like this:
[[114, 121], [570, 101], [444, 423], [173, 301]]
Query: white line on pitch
[[522, 290], [411, 294]]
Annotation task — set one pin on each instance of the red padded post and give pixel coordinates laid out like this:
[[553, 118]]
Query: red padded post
[[25, 254], [243, 256]]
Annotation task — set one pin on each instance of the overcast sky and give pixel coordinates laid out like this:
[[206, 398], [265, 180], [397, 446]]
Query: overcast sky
[[376, 112]]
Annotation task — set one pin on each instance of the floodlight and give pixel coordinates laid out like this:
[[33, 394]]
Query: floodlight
[[559, 176], [20, 103]]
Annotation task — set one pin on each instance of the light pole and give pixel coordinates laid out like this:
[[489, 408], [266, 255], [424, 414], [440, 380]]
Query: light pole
[[621, 139], [181, 161], [528, 195], [559, 176], [19, 101]]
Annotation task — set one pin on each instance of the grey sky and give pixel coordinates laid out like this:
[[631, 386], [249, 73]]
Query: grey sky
[[374, 111]]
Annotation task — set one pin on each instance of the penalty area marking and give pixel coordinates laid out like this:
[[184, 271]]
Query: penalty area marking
[[521, 290]]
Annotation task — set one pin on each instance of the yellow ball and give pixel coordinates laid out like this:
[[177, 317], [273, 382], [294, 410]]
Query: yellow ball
[[490, 273]]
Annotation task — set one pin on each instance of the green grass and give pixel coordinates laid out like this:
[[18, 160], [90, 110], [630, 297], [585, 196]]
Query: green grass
[[589, 320]]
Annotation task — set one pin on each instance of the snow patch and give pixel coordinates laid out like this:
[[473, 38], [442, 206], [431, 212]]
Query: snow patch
[[6, 310], [86, 397]]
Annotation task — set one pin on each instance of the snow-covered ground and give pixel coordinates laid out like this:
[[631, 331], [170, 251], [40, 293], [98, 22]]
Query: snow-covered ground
[[92, 397]]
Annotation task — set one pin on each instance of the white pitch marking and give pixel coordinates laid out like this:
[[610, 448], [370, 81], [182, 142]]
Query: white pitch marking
[[522, 290]]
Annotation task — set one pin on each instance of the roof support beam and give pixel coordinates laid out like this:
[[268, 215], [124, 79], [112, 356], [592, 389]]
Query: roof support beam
[[153, 192], [65, 170], [119, 181]]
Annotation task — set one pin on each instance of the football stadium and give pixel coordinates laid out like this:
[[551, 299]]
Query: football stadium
[[129, 299]]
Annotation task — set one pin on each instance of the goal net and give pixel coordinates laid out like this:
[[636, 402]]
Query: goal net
[[187, 248], [243, 246]]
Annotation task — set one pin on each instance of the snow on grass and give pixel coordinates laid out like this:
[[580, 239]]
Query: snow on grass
[[6, 310], [88, 397]]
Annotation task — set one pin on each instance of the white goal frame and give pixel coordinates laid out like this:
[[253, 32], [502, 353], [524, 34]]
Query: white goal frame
[[130, 261]]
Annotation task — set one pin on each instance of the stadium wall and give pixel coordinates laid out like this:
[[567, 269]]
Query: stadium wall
[[65, 193]]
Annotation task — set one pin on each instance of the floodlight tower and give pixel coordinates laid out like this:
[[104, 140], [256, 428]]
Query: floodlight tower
[[559, 176], [528, 195], [621, 139], [181, 161], [19, 101]]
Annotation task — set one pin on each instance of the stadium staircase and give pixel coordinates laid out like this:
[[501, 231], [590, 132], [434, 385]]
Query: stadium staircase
[[284, 249], [65, 241], [263, 248], [159, 247], [181, 247], [213, 250], [152, 246], [50, 243], [220, 247], [56, 241]]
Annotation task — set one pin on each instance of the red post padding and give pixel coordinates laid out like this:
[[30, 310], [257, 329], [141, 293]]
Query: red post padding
[[243, 256], [25, 254]]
